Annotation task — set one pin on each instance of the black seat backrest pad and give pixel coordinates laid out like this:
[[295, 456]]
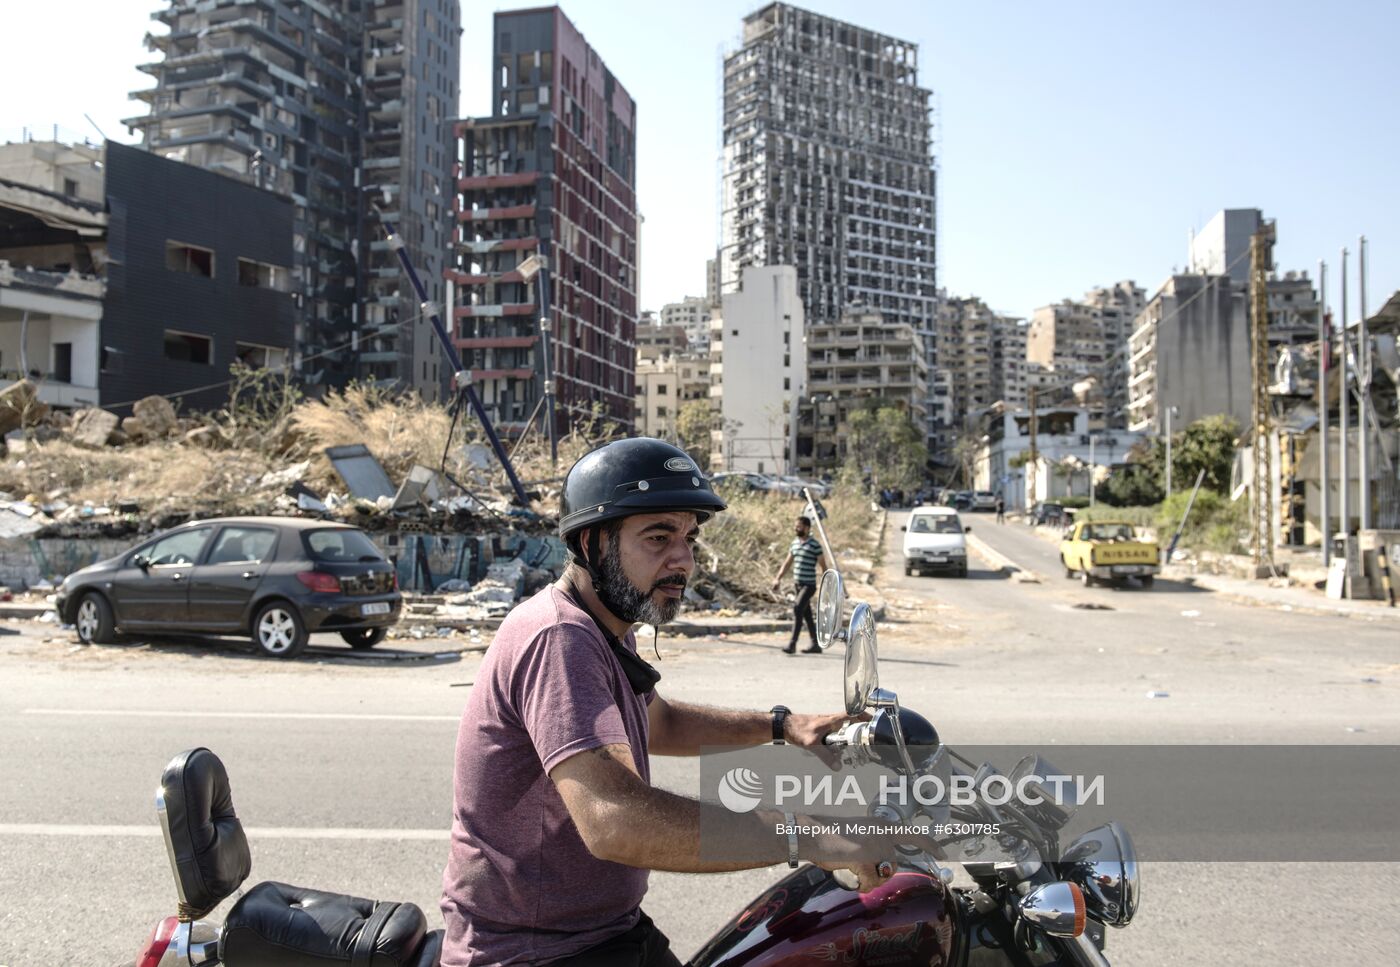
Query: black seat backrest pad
[[277, 925], [211, 852]]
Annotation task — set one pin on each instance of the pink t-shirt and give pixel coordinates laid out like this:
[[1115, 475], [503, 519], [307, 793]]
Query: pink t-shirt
[[520, 886]]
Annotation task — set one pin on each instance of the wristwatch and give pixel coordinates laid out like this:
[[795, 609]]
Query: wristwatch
[[780, 714]]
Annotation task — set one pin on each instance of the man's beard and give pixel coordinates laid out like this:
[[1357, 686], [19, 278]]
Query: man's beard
[[620, 596]]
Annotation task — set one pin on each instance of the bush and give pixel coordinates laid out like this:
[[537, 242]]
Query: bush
[[1217, 523], [1074, 502]]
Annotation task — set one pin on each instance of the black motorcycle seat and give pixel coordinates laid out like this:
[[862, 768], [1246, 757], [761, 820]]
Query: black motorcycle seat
[[277, 925]]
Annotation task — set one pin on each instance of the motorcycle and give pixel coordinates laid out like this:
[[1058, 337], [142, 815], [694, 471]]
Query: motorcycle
[[1029, 904]]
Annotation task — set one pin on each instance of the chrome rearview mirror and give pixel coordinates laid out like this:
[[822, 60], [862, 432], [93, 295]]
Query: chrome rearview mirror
[[862, 665], [830, 597]]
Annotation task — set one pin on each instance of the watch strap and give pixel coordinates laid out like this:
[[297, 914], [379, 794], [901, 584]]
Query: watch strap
[[791, 822], [780, 714]]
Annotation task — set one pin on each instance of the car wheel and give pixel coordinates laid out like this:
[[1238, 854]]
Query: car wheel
[[1069, 571], [1147, 582], [1087, 578], [962, 571], [94, 620], [278, 630], [908, 570], [362, 639]]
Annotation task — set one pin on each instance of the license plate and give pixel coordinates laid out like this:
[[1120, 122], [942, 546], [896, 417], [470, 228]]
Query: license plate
[[378, 607], [1128, 568], [936, 558]]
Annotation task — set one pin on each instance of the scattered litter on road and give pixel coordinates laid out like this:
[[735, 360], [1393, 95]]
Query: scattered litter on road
[[1159, 695], [49, 617], [1354, 728], [1190, 614], [1100, 651], [1370, 681], [1092, 606]]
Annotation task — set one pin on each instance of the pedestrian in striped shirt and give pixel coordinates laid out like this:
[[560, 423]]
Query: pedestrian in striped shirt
[[807, 560]]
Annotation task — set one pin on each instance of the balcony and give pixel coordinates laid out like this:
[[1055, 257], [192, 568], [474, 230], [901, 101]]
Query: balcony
[[58, 347]]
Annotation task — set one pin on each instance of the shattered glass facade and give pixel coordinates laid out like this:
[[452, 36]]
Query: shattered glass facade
[[828, 167]]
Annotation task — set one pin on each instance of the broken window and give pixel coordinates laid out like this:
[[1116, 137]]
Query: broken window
[[187, 347], [192, 259], [261, 357], [261, 275]]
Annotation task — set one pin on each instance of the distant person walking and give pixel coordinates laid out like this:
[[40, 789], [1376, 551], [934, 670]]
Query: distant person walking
[[807, 560], [1001, 509]]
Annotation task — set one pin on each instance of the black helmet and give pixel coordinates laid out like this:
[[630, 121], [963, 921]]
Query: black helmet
[[635, 476]]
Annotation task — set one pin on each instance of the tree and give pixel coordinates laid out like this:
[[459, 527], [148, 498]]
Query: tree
[[883, 439], [1207, 444], [693, 423]]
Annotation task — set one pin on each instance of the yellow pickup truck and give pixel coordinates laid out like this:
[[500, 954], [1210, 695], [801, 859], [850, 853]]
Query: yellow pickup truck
[[1108, 550]]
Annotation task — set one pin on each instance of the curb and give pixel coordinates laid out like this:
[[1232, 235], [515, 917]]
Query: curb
[[29, 612], [1311, 608]]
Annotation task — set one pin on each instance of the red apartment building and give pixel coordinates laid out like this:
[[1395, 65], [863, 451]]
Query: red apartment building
[[550, 172]]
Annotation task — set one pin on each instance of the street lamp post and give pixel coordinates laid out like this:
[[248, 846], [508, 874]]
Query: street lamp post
[[1171, 411]]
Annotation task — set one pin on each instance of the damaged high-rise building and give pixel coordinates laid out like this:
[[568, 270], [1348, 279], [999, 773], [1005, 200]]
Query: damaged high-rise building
[[550, 172], [345, 107], [828, 167]]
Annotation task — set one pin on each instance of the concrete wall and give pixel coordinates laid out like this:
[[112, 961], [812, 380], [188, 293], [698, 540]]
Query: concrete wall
[[1202, 357], [762, 372]]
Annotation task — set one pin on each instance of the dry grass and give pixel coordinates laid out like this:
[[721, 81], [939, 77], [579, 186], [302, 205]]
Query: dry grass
[[399, 431], [744, 546], [155, 475]]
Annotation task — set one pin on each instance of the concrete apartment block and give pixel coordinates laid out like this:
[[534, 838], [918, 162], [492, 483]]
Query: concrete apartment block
[[828, 167], [758, 372]]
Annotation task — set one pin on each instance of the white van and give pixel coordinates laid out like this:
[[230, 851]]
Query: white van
[[934, 540]]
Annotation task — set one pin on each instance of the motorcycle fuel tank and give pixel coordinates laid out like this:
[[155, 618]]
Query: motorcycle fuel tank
[[808, 919]]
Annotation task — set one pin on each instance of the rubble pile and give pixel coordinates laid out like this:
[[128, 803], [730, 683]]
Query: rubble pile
[[442, 511]]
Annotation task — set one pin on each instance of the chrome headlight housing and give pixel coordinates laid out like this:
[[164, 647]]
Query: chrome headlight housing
[[1104, 864]]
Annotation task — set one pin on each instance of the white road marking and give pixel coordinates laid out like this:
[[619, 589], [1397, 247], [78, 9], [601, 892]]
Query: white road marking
[[256, 833], [197, 713]]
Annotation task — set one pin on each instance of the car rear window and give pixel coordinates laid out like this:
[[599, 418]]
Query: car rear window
[[341, 544]]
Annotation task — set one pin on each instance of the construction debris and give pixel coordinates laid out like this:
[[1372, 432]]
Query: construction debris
[[93, 427], [75, 487]]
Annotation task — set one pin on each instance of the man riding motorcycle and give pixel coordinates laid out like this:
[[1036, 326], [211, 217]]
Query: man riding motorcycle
[[555, 822]]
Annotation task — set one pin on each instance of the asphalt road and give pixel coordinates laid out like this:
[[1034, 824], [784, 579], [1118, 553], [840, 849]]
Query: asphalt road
[[341, 768]]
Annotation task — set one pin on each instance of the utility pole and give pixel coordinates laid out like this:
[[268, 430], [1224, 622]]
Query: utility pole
[[1363, 385], [1261, 257], [1344, 417], [1034, 464], [1324, 348]]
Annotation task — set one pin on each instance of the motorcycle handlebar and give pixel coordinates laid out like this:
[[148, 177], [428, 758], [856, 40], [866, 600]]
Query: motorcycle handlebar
[[852, 733]]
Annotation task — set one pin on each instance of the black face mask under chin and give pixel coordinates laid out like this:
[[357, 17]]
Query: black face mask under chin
[[623, 600]]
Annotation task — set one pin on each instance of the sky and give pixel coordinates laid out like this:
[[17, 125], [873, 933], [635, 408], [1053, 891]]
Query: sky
[[1078, 142]]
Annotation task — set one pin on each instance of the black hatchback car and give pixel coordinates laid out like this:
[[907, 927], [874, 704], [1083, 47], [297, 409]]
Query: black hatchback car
[[277, 579]]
